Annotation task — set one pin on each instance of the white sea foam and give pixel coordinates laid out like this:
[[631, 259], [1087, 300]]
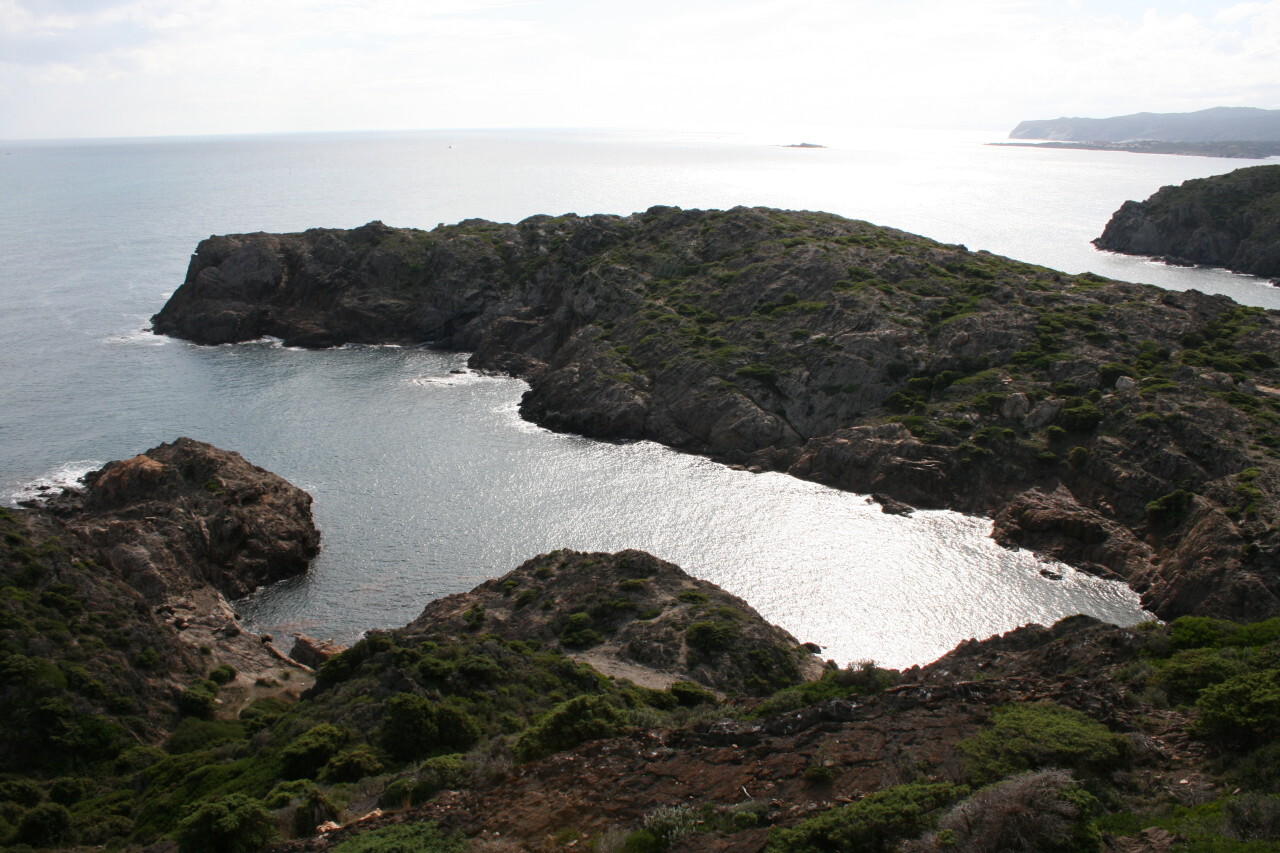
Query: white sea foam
[[65, 476], [142, 335], [464, 377]]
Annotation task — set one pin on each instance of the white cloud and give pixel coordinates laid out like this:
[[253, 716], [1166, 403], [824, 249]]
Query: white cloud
[[202, 66]]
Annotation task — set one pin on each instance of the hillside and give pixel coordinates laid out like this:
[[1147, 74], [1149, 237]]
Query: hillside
[[1217, 124], [1116, 426], [1230, 221], [478, 726]]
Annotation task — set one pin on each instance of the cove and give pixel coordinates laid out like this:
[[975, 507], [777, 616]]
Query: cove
[[427, 482]]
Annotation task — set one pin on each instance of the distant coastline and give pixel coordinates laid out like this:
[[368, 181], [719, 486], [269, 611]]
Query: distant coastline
[[1236, 149]]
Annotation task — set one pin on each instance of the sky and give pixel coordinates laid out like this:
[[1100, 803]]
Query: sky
[[118, 68]]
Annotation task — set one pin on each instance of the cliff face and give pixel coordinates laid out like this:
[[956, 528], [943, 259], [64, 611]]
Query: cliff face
[[862, 357], [1230, 221]]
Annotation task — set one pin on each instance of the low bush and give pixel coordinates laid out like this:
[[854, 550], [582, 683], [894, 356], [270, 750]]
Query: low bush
[[1243, 708], [669, 824], [224, 674], [233, 823], [45, 825], [1031, 736], [415, 727], [568, 724], [874, 824], [352, 765], [311, 750], [1190, 671], [1045, 811], [200, 699], [400, 838]]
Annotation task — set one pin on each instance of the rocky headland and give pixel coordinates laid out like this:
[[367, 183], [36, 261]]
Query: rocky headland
[[1236, 149], [1116, 426], [1230, 221], [1214, 125]]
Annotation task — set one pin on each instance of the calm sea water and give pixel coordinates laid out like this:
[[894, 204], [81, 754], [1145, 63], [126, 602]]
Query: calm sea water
[[427, 482]]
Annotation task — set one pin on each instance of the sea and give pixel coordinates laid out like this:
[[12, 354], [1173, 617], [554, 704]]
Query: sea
[[427, 481]]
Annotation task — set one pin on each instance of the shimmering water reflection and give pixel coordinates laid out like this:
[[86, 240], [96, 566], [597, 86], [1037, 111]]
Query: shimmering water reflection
[[455, 489]]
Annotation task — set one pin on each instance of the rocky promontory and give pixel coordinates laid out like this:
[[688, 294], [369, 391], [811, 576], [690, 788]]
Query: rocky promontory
[[113, 603], [1230, 221], [1214, 125], [859, 356], [633, 616]]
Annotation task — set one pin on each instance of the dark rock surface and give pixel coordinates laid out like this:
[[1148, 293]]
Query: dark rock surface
[[857, 356], [187, 514], [1230, 221]]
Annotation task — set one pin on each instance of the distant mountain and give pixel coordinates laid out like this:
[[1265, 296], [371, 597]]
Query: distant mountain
[[1216, 124]]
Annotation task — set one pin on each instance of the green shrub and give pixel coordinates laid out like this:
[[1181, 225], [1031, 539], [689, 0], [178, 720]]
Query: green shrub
[[689, 694], [1045, 812], [352, 765], [1170, 508], [45, 825], [224, 674], [1030, 736], [69, 790], [1256, 633], [443, 771], [200, 699], [313, 809], [874, 824], [1082, 417], [24, 792], [402, 838], [194, 734], [311, 750], [710, 637], [568, 724], [578, 633], [1192, 670], [415, 727], [669, 824], [1245, 707], [1198, 632], [233, 823]]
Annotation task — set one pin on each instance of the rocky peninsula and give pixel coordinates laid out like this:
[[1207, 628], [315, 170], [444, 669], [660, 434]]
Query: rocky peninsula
[[1230, 221], [1116, 426]]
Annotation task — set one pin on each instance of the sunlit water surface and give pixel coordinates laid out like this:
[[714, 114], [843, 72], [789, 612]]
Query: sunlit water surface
[[427, 482]]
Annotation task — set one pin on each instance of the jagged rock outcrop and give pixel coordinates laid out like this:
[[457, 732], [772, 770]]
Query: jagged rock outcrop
[[858, 356], [1226, 221], [187, 514]]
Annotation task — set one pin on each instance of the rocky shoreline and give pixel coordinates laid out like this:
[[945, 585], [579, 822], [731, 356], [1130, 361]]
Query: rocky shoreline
[[597, 700], [1115, 426], [1227, 221]]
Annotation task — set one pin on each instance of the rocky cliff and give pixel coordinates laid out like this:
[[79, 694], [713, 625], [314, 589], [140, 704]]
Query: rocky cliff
[[1230, 221], [1114, 425]]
